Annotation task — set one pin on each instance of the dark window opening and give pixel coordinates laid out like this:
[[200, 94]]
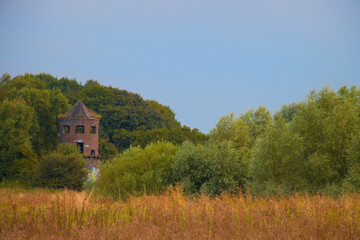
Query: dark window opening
[[79, 129], [93, 129], [66, 129], [80, 146], [92, 152]]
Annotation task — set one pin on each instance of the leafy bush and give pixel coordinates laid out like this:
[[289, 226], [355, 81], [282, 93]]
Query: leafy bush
[[16, 152], [316, 148], [352, 180], [107, 149], [277, 166], [63, 168], [137, 171], [210, 169]]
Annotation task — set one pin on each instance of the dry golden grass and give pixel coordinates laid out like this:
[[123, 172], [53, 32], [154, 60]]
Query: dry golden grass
[[73, 215]]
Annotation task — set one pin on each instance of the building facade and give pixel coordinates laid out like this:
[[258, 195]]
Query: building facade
[[80, 126]]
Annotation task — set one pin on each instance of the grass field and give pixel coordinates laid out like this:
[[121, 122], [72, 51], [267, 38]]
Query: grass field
[[39, 214]]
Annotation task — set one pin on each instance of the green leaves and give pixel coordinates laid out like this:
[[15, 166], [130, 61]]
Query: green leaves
[[313, 150], [16, 119], [352, 179], [107, 149], [257, 121], [137, 171], [210, 169], [222, 163], [310, 146], [128, 119], [232, 129], [277, 159], [63, 168], [46, 104]]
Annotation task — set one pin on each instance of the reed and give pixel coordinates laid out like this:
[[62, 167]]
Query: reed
[[172, 215]]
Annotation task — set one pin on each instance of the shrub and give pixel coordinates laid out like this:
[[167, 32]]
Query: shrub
[[352, 180], [63, 168], [16, 153], [210, 169], [137, 170], [107, 149]]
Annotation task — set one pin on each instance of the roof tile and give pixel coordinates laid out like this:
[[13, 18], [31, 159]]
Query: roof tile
[[80, 110]]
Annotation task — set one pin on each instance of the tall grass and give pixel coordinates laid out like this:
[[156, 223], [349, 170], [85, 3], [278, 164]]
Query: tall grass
[[73, 215]]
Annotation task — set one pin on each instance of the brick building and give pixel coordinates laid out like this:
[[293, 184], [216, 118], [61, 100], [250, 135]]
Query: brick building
[[80, 126]]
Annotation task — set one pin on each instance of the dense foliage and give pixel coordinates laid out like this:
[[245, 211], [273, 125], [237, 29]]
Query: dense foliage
[[30, 106], [15, 152], [222, 164], [63, 168], [210, 169], [127, 119], [29, 123], [138, 170], [310, 146]]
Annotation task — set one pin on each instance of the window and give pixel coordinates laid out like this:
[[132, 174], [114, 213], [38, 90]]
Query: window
[[79, 129], [93, 129], [66, 129], [80, 146], [92, 152]]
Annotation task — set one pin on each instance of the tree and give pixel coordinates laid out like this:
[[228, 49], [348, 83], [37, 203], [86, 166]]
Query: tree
[[16, 152], [63, 168], [237, 133], [328, 122], [189, 167], [352, 179], [107, 149], [288, 111], [138, 121], [47, 105], [277, 165], [232, 129], [69, 87], [257, 121], [137, 170], [209, 169], [317, 143], [165, 111]]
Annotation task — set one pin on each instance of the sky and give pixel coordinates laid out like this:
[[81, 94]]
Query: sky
[[204, 59]]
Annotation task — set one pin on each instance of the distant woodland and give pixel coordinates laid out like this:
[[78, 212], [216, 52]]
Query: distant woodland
[[311, 146]]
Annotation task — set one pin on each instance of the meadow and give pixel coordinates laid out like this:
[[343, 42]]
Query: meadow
[[40, 214]]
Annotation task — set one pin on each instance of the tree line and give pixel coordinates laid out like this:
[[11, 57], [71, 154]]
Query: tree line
[[311, 146], [29, 109]]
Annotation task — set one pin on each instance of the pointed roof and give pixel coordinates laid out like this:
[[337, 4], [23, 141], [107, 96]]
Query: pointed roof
[[80, 110]]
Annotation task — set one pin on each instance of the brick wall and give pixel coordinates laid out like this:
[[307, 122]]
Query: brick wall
[[90, 140]]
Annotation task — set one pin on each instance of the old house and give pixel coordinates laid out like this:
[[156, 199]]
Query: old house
[[80, 126]]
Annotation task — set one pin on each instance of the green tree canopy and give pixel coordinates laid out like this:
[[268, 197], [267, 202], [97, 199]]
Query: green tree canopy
[[314, 150], [63, 168], [138, 170], [16, 152], [47, 105], [210, 169], [140, 121]]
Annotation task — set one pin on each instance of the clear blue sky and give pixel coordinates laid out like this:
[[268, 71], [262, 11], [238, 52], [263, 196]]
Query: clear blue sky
[[204, 59]]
